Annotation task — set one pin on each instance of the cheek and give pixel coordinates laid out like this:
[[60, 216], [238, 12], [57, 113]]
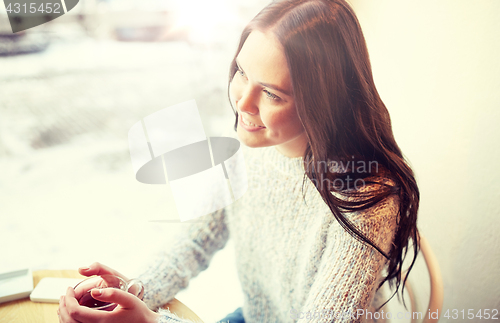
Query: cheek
[[273, 120], [296, 122], [285, 122]]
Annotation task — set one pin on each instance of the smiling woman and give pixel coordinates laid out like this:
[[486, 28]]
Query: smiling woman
[[328, 112]]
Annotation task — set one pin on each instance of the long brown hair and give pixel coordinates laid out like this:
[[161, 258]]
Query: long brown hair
[[343, 115]]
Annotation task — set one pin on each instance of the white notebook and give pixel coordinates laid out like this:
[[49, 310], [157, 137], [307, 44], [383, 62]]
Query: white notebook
[[50, 289], [15, 285]]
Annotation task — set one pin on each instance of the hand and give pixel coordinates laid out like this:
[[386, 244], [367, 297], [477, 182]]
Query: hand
[[129, 309], [99, 269]]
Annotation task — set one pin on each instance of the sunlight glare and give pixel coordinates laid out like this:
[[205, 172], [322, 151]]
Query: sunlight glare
[[202, 17]]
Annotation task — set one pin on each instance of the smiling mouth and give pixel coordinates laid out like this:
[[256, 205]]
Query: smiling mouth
[[250, 124]]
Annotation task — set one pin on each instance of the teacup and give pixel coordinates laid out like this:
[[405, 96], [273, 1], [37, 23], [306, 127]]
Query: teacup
[[83, 289]]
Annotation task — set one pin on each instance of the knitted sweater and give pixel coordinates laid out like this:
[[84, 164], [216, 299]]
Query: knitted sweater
[[295, 262]]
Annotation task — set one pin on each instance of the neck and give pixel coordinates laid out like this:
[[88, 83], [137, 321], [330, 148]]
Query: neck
[[294, 148]]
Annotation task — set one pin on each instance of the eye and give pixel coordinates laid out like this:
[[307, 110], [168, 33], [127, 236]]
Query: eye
[[271, 96], [240, 71]]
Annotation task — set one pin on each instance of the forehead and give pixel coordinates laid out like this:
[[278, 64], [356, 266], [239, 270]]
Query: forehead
[[262, 58]]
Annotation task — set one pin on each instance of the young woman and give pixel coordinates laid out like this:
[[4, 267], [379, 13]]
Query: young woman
[[331, 201]]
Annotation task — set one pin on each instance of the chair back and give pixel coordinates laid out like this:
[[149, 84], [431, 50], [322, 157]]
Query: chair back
[[436, 282]]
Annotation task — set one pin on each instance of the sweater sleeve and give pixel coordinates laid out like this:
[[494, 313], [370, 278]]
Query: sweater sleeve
[[190, 254], [348, 272]]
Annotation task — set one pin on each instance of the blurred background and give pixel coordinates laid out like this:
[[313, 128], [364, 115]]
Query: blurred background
[[71, 89], [69, 92]]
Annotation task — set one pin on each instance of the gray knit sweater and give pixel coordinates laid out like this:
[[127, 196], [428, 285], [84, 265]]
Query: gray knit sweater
[[295, 262]]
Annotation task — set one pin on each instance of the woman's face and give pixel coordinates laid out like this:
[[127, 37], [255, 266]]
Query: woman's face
[[261, 91]]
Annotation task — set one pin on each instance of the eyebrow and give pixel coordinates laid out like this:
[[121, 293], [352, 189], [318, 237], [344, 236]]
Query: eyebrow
[[271, 86]]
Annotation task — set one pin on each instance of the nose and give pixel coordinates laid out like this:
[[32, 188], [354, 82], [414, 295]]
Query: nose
[[247, 101]]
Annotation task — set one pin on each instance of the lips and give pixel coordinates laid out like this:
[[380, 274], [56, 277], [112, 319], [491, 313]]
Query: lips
[[247, 122], [248, 125]]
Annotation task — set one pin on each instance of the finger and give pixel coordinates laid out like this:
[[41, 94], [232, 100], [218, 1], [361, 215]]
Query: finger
[[64, 315], [99, 269], [79, 313], [59, 310], [113, 295]]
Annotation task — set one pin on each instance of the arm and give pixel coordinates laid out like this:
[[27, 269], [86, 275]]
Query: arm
[[185, 259], [165, 316], [348, 272]]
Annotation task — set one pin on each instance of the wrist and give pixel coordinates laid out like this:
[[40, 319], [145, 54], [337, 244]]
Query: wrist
[[153, 317]]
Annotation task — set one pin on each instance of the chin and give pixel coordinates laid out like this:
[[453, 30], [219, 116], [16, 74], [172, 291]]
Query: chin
[[249, 142], [252, 145]]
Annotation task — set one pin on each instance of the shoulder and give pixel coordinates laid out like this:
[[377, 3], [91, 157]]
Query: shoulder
[[377, 197], [375, 204]]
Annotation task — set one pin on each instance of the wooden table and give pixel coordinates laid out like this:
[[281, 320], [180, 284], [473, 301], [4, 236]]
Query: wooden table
[[26, 311]]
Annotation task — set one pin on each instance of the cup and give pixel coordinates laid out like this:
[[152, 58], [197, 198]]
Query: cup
[[83, 289]]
